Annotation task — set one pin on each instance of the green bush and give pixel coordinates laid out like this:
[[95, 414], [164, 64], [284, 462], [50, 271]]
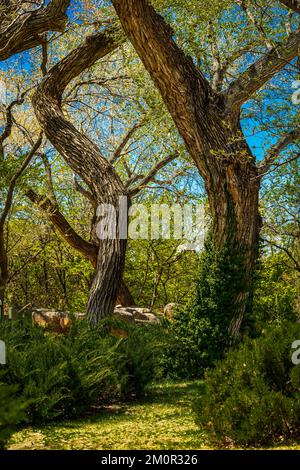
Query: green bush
[[275, 293], [253, 396], [141, 352], [201, 328], [65, 375], [12, 411], [60, 375]]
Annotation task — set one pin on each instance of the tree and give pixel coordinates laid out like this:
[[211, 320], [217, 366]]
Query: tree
[[204, 98], [109, 189], [208, 119], [9, 194], [92, 249]]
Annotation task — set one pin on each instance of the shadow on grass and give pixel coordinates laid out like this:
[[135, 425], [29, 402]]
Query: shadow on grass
[[166, 394], [163, 419]]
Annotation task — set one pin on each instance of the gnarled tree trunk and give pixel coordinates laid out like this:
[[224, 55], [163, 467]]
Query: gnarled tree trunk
[[91, 250], [125, 297], [233, 199], [84, 157], [208, 121]]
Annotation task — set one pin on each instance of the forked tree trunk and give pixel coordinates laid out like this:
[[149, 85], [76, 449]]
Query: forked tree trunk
[[2, 298]]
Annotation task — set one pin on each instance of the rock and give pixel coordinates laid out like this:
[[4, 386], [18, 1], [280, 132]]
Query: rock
[[123, 314], [58, 322], [138, 310], [169, 310], [147, 317], [133, 314]]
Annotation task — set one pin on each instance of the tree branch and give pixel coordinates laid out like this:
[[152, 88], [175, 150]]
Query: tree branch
[[245, 7], [261, 72], [276, 149], [286, 251], [292, 4], [44, 62], [116, 155], [78, 150], [183, 88], [24, 31], [87, 194], [9, 121], [49, 180], [149, 177], [67, 232]]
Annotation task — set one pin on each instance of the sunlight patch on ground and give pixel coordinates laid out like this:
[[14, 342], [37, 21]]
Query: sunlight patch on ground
[[162, 422]]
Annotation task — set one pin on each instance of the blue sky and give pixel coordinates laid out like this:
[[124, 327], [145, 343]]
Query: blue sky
[[258, 139]]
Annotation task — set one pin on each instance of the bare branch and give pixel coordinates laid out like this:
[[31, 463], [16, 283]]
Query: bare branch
[[152, 173], [261, 72], [87, 194], [9, 121], [49, 180], [67, 232], [286, 251], [218, 68], [116, 155], [276, 149], [44, 44]]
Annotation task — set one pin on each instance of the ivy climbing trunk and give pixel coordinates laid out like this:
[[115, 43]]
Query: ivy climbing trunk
[[233, 197]]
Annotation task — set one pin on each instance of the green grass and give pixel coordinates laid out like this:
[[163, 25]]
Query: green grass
[[163, 420]]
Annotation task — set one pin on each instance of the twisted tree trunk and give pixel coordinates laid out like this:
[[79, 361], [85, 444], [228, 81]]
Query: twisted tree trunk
[[84, 157]]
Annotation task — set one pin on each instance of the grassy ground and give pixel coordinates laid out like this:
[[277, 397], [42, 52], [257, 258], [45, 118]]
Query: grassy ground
[[162, 421]]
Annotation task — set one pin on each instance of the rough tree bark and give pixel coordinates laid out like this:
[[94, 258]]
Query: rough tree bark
[[4, 273], [22, 30], [84, 157], [294, 5], [208, 121], [88, 249]]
